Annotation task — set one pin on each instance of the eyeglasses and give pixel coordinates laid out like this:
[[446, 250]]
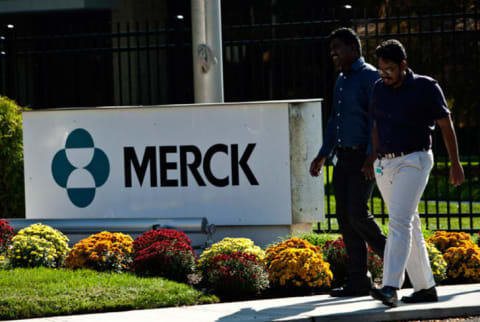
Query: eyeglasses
[[387, 71]]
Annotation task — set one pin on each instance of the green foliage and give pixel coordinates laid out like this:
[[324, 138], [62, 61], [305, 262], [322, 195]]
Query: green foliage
[[439, 186], [29, 293], [427, 233], [12, 202], [318, 239]]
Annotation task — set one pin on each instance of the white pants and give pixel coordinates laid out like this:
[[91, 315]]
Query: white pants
[[401, 183]]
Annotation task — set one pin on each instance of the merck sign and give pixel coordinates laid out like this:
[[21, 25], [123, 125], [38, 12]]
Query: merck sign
[[201, 161], [229, 163]]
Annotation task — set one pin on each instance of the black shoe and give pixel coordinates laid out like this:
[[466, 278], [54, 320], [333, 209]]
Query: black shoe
[[386, 294], [349, 291], [428, 295]]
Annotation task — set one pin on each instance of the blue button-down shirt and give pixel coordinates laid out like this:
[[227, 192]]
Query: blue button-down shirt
[[405, 116], [350, 123]]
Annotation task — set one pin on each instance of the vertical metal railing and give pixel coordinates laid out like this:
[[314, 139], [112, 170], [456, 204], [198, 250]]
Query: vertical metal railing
[[141, 63]]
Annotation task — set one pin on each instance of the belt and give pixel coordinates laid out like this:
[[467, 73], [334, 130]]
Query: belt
[[399, 154], [351, 148]]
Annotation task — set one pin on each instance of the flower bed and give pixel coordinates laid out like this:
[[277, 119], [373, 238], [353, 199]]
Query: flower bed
[[166, 253], [38, 245], [31, 251], [229, 246], [444, 240], [6, 234], [236, 275], [437, 263], [335, 253], [104, 251], [463, 262], [297, 263], [234, 268], [148, 238]]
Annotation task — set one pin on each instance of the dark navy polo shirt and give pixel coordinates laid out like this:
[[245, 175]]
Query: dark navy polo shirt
[[405, 116], [350, 123]]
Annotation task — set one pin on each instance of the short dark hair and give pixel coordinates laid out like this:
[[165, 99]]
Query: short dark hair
[[348, 36], [391, 50]]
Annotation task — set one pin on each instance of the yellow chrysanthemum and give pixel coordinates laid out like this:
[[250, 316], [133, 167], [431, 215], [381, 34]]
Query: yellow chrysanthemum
[[296, 262], [102, 251]]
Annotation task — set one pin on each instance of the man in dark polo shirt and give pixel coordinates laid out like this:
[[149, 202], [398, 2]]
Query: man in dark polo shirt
[[348, 134], [405, 107]]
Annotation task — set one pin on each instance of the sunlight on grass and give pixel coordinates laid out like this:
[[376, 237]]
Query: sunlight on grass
[[431, 207], [36, 292]]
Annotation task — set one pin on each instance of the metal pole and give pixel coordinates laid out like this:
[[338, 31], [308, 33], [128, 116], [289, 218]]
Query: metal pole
[[11, 63], [207, 51]]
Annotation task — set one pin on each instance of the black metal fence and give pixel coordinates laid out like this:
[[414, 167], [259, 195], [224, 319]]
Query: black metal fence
[[267, 55]]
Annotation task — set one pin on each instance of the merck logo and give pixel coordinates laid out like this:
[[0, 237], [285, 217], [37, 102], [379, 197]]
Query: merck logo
[[80, 168]]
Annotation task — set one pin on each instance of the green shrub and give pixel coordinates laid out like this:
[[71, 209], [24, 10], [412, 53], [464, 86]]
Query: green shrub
[[12, 200], [318, 239]]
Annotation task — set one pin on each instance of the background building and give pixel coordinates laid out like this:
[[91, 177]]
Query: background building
[[77, 53]]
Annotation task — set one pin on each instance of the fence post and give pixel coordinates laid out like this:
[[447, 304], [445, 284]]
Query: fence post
[[2, 63], [10, 61]]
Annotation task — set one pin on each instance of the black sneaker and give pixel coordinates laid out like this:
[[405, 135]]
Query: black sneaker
[[422, 296]]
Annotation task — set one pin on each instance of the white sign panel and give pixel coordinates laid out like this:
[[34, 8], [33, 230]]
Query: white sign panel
[[229, 163]]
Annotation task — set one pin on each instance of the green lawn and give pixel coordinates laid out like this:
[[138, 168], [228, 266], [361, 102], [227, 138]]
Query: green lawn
[[438, 188], [28, 293]]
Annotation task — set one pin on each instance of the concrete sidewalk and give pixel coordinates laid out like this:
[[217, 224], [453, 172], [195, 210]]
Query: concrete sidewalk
[[454, 301]]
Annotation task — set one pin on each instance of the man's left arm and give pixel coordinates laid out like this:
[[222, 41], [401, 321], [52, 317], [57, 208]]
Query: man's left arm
[[367, 167], [448, 132]]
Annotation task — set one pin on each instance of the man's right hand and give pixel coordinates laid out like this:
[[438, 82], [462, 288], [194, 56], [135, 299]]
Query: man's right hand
[[316, 165]]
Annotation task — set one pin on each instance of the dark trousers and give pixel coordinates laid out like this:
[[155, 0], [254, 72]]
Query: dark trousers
[[356, 223]]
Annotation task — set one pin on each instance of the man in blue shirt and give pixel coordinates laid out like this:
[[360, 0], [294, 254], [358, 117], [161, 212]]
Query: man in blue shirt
[[348, 134], [405, 107]]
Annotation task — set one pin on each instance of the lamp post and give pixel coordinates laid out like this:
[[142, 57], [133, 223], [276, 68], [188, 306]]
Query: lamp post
[[207, 51]]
